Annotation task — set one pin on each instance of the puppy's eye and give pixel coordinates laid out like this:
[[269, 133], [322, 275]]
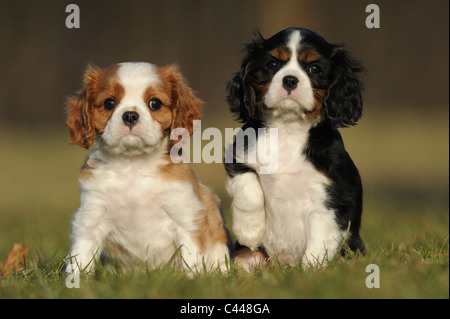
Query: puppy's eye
[[314, 69], [109, 104], [155, 104], [273, 65]]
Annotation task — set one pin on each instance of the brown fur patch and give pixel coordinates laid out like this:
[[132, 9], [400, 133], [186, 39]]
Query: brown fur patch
[[108, 87], [308, 56], [164, 115], [89, 165], [85, 112], [179, 172], [280, 54], [210, 228], [319, 96], [186, 106], [79, 120]]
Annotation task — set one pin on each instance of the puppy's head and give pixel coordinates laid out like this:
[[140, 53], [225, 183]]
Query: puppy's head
[[131, 107], [297, 73]]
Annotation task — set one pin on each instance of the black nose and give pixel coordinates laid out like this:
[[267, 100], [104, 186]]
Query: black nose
[[290, 83], [130, 118]]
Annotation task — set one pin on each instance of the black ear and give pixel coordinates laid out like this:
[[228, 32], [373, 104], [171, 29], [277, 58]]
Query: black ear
[[236, 95], [240, 96], [343, 102]]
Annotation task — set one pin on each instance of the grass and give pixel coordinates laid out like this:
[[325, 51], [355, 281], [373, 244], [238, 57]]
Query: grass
[[415, 270], [405, 227]]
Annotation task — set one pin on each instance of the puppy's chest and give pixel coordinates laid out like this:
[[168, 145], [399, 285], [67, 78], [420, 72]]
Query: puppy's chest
[[296, 183], [128, 187], [133, 201]]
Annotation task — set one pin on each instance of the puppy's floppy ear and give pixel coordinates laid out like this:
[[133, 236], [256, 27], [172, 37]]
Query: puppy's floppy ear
[[186, 106], [79, 112], [343, 102], [240, 96], [236, 95]]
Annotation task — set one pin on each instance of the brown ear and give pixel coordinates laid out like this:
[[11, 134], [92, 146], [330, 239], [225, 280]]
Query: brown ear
[[186, 106], [79, 110]]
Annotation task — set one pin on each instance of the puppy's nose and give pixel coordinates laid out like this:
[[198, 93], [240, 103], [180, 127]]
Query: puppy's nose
[[130, 118], [290, 83]]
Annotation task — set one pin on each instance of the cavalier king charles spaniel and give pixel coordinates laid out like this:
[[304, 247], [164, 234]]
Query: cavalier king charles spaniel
[[135, 202], [306, 88]]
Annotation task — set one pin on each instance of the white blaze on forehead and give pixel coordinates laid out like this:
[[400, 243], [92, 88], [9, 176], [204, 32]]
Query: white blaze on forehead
[[294, 44], [137, 76]]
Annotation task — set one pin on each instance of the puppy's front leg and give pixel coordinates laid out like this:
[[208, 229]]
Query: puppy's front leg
[[323, 239], [83, 254], [88, 233], [249, 215], [191, 257]]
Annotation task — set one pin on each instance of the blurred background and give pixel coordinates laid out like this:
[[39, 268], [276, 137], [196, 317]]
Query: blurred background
[[401, 145]]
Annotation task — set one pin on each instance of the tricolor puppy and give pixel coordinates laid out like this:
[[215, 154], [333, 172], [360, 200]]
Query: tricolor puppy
[[306, 88], [135, 202]]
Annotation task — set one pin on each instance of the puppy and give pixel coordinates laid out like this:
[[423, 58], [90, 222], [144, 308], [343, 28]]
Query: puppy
[[135, 202], [305, 88]]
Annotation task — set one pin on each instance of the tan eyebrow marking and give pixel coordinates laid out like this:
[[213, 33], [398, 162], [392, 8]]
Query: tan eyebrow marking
[[280, 54], [308, 56]]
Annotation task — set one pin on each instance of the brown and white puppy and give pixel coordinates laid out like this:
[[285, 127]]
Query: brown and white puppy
[[133, 197]]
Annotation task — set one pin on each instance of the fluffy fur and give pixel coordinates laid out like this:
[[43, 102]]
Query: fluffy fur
[[306, 88], [135, 202]]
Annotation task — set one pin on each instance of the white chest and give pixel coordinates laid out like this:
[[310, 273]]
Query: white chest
[[292, 193], [295, 181], [140, 210]]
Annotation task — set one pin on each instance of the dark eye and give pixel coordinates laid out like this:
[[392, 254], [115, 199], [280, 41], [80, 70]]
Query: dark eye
[[109, 104], [314, 69], [273, 65], [155, 104]]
